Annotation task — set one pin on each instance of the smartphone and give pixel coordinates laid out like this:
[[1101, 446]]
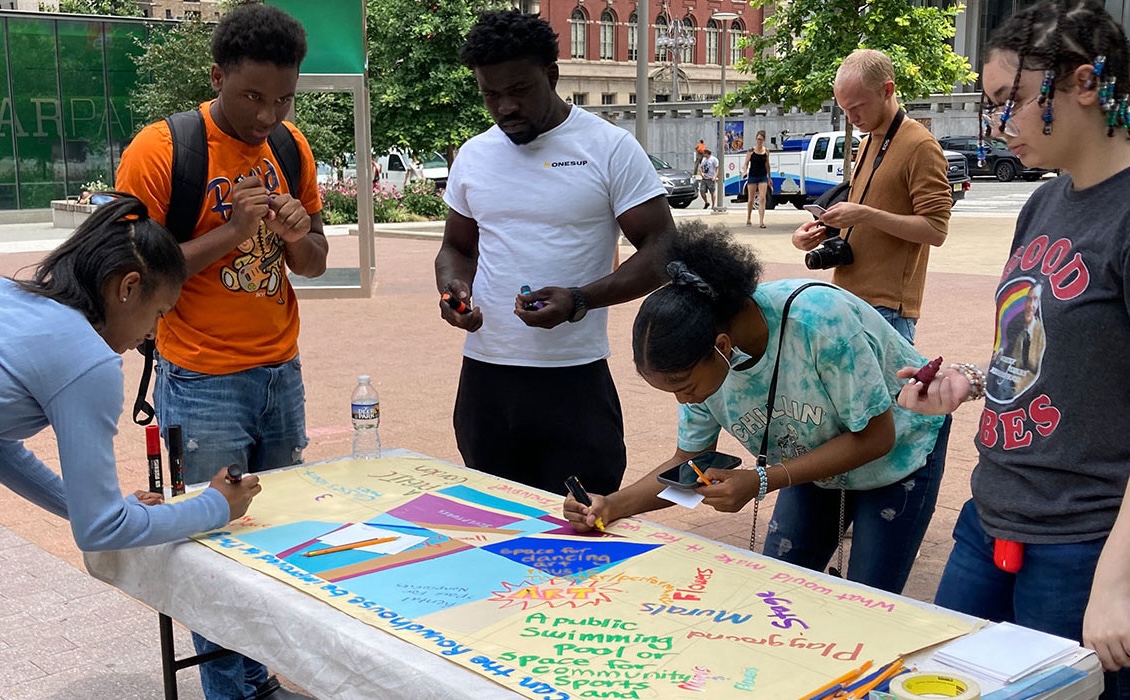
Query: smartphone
[[684, 476], [815, 209]]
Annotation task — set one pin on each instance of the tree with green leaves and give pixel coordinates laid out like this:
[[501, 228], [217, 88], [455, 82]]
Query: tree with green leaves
[[113, 8], [326, 120], [176, 70], [421, 96], [804, 41]]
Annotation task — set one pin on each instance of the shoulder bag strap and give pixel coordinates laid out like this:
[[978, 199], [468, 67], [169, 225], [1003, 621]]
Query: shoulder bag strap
[[762, 461]]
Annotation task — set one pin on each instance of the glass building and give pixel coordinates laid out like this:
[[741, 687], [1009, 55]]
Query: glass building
[[65, 112]]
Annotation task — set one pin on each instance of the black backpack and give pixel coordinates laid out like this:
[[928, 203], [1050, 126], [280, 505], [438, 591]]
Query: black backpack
[[189, 175]]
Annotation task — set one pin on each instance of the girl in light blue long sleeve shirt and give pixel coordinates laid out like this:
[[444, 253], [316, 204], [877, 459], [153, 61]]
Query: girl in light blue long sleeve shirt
[[61, 338]]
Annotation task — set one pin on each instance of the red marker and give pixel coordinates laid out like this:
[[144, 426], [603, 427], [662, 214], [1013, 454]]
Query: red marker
[[455, 303], [153, 454]]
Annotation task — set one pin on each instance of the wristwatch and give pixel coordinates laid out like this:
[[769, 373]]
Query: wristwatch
[[580, 308]]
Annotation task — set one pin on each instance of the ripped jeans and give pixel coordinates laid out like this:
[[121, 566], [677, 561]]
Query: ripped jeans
[[888, 523], [255, 418]]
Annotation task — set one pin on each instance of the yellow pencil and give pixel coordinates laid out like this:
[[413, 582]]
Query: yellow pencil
[[351, 545], [846, 678], [862, 691], [701, 476]]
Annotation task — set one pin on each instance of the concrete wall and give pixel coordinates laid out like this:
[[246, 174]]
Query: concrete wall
[[673, 133]]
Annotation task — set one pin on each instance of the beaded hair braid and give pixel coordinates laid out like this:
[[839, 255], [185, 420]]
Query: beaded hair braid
[[1058, 36]]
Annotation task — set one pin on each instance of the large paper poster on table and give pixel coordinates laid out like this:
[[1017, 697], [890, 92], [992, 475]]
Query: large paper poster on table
[[486, 574]]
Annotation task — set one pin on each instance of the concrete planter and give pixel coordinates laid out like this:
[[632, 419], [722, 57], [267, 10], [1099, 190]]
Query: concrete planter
[[68, 213]]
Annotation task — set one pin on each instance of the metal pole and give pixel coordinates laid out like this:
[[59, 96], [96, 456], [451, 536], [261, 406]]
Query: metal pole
[[643, 31], [720, 185], [675, 59]]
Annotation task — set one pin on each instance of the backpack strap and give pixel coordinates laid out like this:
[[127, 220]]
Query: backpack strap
[[188, 180], [285, 148], [189, 174]]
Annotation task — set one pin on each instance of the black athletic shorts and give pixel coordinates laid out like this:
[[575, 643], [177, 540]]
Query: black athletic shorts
[[539, 425]]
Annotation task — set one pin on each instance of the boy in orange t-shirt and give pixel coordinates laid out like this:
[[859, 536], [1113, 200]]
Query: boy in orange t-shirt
[[228, 369]]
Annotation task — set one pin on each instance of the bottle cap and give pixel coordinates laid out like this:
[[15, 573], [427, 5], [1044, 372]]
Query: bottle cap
[[364, 378]]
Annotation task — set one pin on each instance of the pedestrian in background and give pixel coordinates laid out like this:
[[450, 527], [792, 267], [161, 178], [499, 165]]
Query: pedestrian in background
[[757, 183]]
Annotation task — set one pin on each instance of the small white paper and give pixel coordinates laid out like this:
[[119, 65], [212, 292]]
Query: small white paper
[[687, 498], [358, 532], [1005, 652]]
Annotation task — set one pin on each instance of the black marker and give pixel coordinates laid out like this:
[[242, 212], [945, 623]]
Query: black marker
[[456, 304], [176, 458], [581, 496], [235, 474]]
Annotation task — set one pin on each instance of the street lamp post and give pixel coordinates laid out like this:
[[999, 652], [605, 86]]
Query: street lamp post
[[674, 42], [720, 196]]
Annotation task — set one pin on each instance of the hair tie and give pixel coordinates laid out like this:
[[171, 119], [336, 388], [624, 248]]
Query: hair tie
[[682, 276]]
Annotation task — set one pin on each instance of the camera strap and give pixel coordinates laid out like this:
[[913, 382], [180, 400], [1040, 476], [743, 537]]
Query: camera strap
[[762, 461], [895, 124]]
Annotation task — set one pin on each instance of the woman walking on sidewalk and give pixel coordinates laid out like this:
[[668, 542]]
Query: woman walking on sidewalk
[[757, 179]]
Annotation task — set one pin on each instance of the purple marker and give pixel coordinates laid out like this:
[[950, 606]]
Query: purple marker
[[531, 305]]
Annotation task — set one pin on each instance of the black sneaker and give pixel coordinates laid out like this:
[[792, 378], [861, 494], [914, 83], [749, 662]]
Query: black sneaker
[[273, 690]]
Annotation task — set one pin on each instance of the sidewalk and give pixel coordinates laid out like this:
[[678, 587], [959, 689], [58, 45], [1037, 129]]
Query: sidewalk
[[65, 635]]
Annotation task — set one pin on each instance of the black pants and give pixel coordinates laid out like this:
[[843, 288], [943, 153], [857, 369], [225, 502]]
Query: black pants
[[539, 425]]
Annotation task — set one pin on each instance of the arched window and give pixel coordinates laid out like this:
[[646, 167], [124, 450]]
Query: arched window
[[686, 41], [660, 31], [633, 44], [737, 30], [712, 41], [607, 36], [577, 27]]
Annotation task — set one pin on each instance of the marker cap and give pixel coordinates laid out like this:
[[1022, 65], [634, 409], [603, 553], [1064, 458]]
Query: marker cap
[[152, 440]]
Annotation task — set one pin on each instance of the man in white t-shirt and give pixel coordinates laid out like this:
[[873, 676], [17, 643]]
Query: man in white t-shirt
[[540, 199], [708, 171]]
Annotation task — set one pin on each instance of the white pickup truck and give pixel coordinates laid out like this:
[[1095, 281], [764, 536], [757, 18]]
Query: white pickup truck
[[399, 167], [808, 165]]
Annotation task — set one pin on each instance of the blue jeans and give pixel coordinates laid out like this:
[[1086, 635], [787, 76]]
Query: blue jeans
[[256, 419], [905, 326], [888, 523], [1049, 593]]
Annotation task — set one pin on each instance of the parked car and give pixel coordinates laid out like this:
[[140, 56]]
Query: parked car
[[679, 184], [999, 161], [808, 165]]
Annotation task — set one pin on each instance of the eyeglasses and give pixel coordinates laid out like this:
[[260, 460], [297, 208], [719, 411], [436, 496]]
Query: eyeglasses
[[991, 117]]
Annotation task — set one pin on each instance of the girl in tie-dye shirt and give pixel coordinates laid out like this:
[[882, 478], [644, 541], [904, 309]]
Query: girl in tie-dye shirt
[[711, 338]]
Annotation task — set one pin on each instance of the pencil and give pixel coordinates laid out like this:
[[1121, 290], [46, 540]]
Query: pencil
[[701, 476], [847, 677], [351, 545], [862, 691]]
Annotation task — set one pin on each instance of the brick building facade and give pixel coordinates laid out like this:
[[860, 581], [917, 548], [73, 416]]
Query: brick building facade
[[598, 47]]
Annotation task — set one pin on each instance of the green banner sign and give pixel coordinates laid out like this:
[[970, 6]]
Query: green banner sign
[[335, 34]]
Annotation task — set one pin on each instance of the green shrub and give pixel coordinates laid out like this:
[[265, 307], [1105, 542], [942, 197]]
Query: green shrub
[[420, 198]]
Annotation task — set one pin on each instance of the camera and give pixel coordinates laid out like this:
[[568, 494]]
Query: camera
[[832, 252]]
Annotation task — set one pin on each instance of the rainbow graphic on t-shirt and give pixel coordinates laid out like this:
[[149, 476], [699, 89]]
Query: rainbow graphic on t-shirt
[[1010, 304]]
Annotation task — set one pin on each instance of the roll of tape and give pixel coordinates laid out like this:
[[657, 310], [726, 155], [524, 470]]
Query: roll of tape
[[914, 686]]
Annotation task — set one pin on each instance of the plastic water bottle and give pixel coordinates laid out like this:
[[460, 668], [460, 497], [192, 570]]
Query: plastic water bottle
[[366, 410]]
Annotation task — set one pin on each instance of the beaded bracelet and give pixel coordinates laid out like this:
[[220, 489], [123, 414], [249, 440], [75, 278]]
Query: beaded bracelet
[[976, 380], [763, 476]]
